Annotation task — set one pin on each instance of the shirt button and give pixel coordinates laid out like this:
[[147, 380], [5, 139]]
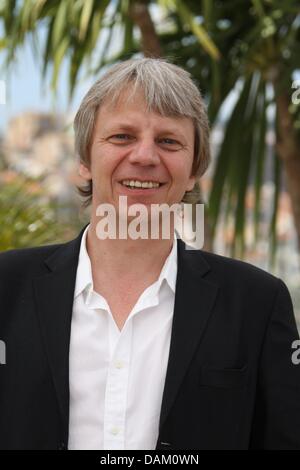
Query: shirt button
[[114, 431], [119, 364]]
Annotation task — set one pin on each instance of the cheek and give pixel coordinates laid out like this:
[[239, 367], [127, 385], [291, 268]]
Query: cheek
[[180, 170], [104, 163]]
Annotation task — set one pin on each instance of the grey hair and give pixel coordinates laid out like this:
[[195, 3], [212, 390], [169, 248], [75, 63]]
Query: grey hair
[[168, 90]]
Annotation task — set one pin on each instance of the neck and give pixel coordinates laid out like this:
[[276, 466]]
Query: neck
[[127, 258]]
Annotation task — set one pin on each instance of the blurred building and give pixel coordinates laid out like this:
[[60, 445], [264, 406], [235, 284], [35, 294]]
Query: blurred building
[[42, 145]]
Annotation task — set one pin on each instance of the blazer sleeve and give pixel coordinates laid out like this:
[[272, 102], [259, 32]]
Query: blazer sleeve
[[276, 423]]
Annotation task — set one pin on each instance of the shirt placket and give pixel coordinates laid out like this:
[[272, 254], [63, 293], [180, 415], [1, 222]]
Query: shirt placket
[[117, 385]]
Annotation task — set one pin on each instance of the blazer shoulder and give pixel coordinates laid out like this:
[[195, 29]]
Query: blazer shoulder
[[237, 270], [19, 261]]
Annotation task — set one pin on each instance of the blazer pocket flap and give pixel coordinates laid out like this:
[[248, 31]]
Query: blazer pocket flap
[[223, 378]]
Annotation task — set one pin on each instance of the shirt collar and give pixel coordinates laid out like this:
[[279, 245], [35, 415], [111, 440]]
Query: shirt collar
[[84, 276], [169, 269]]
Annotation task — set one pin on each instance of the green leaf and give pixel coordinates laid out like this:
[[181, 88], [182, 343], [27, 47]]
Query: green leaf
[[59, 26], [198, 30], [260, 134], [58, 58], [86, 14], [232, 131]]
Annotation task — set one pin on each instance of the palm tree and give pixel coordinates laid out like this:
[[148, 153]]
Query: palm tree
[[265, 62], [258, 42], [74, 28]]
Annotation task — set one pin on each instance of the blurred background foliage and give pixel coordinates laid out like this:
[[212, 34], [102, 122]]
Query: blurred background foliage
[[27, 217], [243, 55]]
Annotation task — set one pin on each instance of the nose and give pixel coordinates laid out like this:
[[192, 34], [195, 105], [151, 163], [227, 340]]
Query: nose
[[145, 153]]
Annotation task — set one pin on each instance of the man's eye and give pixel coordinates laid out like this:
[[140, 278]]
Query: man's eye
[[170, 141], [121, 136], [167, 141], [171, 144]]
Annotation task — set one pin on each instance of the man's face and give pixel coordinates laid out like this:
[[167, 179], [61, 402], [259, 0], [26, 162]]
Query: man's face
[[130, 145]]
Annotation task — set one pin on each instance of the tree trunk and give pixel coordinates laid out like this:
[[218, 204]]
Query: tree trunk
[[140, 15], [288, 145]]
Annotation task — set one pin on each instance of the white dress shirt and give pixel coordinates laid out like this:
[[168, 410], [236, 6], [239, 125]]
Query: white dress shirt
[[117, 377]]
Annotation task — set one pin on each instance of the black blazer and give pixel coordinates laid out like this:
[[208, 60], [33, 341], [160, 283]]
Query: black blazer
[[230, 381]]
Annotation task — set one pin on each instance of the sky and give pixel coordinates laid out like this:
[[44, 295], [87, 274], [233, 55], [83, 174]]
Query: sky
[[25, 90]]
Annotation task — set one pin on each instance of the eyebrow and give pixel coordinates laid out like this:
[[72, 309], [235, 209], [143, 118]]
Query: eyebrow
[[130, 127]]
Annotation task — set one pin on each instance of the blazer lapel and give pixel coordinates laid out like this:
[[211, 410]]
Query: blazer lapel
[[194, 301], [54, 293]]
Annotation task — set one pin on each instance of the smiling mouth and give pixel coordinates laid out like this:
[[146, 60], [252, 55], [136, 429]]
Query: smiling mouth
[[136, 184]]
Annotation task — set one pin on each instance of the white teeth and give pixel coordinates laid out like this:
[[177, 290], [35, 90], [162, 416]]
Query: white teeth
[[141, 184]]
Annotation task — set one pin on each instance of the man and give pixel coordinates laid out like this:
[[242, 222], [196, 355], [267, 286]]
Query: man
[[140, 343]]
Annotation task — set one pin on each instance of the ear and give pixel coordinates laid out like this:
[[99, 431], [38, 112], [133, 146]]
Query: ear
[[84, 172], [191, 183]]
